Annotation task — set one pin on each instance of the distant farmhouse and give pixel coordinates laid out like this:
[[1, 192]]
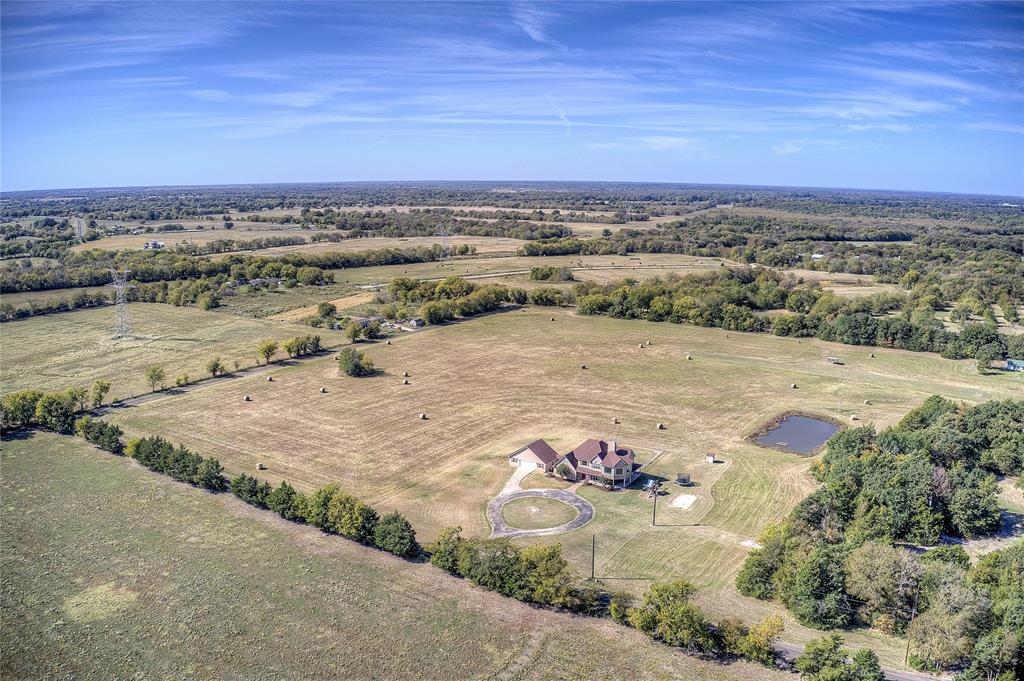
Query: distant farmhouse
[[152, 245], [593, 462]]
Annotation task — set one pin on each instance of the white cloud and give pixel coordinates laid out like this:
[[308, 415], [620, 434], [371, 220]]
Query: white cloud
[[788, 148]]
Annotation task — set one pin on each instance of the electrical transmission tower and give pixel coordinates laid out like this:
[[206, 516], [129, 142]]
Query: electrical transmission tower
[[123, 323]]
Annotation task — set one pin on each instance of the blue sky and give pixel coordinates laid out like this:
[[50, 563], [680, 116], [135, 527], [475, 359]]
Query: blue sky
[[901, 95]]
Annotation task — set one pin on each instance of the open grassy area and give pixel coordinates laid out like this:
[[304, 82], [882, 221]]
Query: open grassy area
[[534, 513], [211, 231], [482, 244], [110, 571], [492, 384], [75, 348]]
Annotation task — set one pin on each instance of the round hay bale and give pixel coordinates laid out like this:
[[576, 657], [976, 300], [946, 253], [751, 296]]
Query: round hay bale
[[872, 355], [261, 467], [323, 390], [641, 345], [423, 417], [552, 319], [337, 357], [405, 374], [615, 420], [270, 379], [792, 385], [661, 426], [405, 381], [583, 366], [867, 401], [247, 399], [689, 357], [648, 341], [854, 418], [389, 343]]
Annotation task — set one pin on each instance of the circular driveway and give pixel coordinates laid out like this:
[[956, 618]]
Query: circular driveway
[[585, 512]]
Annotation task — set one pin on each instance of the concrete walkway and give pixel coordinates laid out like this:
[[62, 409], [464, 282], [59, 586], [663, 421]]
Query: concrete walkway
[[585, 512]]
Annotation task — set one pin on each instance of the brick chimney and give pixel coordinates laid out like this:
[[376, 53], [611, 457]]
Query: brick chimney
[[613, 447]]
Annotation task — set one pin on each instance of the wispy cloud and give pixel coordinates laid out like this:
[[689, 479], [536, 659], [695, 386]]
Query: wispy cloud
[[534, 20], [788, 148]]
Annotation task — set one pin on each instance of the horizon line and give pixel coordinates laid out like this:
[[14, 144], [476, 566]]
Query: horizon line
[[7, 192]]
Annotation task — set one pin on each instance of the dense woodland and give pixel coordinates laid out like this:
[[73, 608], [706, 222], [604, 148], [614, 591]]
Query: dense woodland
[[855, 552]]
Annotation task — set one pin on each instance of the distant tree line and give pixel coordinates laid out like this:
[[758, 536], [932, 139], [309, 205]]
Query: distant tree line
[[92, 268], [443, 301], [841, 557], [736, 298]]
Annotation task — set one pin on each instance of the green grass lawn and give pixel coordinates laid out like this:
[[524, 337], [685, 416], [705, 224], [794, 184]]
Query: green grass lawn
[[535, 513], [109, 571]]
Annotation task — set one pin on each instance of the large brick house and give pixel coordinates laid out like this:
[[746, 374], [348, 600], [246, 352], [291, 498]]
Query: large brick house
[[603, 463], [593, 461]]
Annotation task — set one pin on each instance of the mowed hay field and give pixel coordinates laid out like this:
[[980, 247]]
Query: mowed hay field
[[110, 571], [73, 349], [601, 268], [192, 235], [495, 383], [483, 244]]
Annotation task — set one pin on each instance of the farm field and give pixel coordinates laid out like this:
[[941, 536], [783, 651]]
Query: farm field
[[110, 571], [608, 267], [483, 244], [492, 384], [210, 232], [73, 349]]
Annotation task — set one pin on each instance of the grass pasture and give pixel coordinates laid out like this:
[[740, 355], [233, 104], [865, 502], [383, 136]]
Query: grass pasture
[[209, 232], [75, 348], [109, 571], [495, 383], [535, 513]]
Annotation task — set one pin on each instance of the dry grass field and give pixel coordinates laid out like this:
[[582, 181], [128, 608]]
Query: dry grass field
[[108, 571], [210, 232], [483, 244], [602, 268], [492, 384], [73, 349]]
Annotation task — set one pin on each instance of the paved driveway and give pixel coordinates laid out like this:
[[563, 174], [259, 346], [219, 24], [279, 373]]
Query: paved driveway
[[585, 512]]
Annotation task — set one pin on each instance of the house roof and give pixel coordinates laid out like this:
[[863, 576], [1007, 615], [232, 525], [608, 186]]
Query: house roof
[[599, 448], [542, 451]]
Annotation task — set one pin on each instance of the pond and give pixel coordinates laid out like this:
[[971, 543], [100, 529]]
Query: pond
[[798, 434]]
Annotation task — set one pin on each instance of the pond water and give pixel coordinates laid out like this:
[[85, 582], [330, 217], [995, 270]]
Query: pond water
[[798, 434]]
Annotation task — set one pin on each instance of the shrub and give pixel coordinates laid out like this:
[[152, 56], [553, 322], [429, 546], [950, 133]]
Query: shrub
[[351, 518], [155, 377], [494, 564], [619, 607], [285, 502], [19, 409], [250, 490], [56, 411], [99, 392], [444, 553], [355, 363], [394, 534], [106, 436]]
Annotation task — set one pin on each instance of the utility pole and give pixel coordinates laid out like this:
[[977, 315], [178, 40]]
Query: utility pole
[[593, 556], [913, 614], [654, 513]]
